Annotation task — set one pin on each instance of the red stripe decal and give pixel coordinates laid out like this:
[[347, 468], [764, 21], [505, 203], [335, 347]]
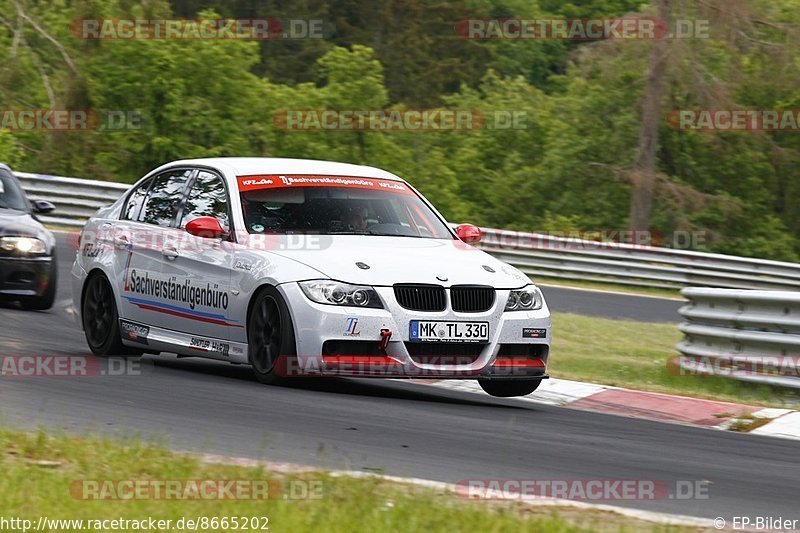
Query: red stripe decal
[[358, 360], [185, 315], [518, 361]]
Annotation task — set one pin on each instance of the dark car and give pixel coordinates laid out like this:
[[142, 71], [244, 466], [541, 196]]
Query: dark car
[[28, 267]]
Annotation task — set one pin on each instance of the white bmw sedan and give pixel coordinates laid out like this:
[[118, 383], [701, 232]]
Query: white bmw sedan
[[305, 269]]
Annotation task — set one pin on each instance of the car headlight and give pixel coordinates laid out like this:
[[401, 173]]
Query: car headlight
[[338, 293], [24, 245], [529, 298]]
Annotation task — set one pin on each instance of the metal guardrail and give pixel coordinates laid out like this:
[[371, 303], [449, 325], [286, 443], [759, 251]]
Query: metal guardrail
[[644, 266], [75, 199], [535, 254], [750, 335]]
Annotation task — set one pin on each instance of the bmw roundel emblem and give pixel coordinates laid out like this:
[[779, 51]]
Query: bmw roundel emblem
[[441, 278]]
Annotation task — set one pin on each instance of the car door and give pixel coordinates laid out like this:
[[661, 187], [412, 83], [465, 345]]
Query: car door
[[199, 269], [138, 240]]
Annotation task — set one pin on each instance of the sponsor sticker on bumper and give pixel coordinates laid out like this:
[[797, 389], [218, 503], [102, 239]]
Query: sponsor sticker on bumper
[[534, 333]]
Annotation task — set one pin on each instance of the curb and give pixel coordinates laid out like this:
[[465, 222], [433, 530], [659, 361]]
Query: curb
[[783, 423]]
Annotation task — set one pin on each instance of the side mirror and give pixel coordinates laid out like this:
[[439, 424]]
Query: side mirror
[[206, 227], [42, 206], [469, 234]]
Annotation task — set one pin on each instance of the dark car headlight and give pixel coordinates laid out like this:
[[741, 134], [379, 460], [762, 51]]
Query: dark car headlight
[[337, 293], [23, 245], [529, 298]]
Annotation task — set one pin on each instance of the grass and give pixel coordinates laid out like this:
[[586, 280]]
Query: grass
[[38, 471], [634, 355], [746, 423]]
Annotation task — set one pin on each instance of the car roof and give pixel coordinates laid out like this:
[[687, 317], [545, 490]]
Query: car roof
[[252, 166]]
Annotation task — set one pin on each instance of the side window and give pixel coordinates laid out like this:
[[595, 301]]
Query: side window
[[207, 198], [164, 197], [135, 201]]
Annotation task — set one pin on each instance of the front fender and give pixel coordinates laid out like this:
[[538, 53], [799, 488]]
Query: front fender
[[252, 269]]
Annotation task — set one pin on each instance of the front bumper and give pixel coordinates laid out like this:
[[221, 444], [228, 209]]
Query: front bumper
[[24, 276], [344, 341]]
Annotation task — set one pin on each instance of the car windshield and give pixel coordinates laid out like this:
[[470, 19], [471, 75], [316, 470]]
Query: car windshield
[[11, 195], [340, 210]]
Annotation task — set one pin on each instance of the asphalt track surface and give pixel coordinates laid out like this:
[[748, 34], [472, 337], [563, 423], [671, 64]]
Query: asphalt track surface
[[612, 305], [398, 428]]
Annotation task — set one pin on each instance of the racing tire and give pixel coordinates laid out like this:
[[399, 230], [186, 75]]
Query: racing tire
[[270, 336], [45, 301], [101, 321], [507, 389]]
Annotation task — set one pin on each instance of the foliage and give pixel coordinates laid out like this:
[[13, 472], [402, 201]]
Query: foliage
[[567, 166]]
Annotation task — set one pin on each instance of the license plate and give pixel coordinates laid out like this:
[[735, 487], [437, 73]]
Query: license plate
[[439, 331]]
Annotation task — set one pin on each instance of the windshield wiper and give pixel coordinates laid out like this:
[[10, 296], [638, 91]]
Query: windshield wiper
[[379, 234], [371, 233]]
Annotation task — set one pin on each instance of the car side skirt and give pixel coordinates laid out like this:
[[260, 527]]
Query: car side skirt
[[150, 338]]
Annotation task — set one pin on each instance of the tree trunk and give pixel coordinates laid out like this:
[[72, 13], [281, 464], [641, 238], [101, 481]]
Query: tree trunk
[[643, 174]]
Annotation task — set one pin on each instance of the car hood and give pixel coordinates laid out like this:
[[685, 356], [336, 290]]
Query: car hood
[[20, 224], [393, 260]]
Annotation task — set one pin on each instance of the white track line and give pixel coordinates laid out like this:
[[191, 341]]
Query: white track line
[[551, 392], [288, 468], [786, 426]]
